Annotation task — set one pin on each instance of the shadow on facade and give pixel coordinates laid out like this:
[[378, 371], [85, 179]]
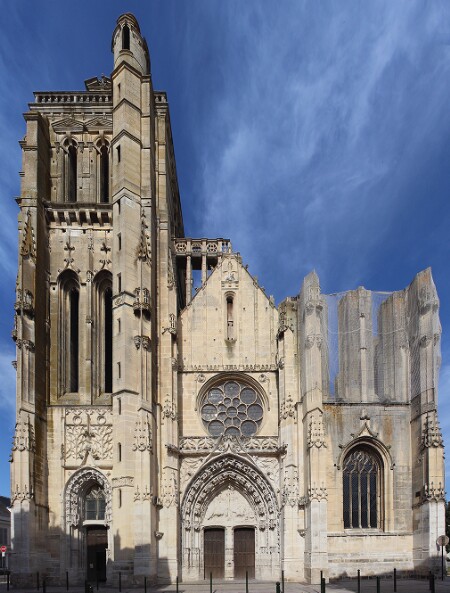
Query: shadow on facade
[[55, 563], [98, 557]]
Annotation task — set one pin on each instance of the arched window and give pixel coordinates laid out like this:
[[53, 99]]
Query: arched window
[[362, 474], [94, 504], [104, 174], [102, 147], [126, 37], [103, 328], [70, 169], [69, 315]]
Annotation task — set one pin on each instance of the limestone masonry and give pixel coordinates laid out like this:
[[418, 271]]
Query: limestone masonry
[[165, 429]]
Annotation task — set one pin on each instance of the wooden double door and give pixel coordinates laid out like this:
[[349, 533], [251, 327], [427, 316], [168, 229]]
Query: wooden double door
[[243, 552]]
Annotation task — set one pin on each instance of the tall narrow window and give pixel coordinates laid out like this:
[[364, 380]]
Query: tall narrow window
[[362, 489], [126, 37], [69, 331], [71, 174], [230, 320], [103, 328], [107, 304], [74, 298], [104, 174]]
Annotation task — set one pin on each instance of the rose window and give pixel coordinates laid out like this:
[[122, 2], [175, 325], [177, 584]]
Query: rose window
[[232, 409]]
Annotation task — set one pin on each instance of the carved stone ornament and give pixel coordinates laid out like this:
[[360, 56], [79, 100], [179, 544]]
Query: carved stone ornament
[[289, 490], [170, 274], [169, 409], [75, 491], [28, 245], [172, 327], [23, 439], [428, 299], [142, 435], [169, 491], [431, 434], [143, 250], [317, 493], [122, 482], [433, 493], [316, 433], [314, 301], [312, 339], [68, 248], [22, 494], [226, 443], [287, 408], [24, 302], [88, 436], [143, 341], [243, 477], [105, 248]]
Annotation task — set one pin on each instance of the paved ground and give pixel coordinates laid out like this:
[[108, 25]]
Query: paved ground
[[350, 586]]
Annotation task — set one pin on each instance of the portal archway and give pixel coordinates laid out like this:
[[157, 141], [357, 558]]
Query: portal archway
[[240, 480]]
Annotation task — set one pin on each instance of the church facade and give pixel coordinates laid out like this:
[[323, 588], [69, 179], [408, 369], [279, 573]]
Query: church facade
[[172, 420]]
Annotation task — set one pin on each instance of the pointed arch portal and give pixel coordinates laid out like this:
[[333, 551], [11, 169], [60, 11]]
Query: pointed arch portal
[[254, 516]]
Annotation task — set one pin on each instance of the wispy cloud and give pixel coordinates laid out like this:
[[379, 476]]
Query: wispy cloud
[[317, 126]]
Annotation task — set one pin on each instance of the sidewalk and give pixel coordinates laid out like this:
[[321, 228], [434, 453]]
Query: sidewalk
[[349, 586]]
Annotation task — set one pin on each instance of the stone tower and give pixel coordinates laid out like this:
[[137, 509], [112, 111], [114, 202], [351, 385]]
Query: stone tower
[[171, 419]]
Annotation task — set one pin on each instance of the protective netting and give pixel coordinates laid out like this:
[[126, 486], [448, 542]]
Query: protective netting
[[380, 346]]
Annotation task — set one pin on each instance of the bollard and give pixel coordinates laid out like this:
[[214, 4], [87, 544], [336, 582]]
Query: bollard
[[177, 584], [246, 581], [322, 585], [145, 584], [120, 582], [395, 580], [67, 580], [378, 584], [210, 583], [432, 583], [282, 581], [7, 581], [37, 582], [277, 587], [359, 581]]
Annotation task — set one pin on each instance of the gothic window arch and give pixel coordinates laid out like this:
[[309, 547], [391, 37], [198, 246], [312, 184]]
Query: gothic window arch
[[88, 497], [103, 170], [363, 488], [70, 147], [69, 330], [126, 37], [103, 332], [94, 503], [231, 406]]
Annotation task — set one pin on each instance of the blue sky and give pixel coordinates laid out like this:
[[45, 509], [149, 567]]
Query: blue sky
[[313, 134]]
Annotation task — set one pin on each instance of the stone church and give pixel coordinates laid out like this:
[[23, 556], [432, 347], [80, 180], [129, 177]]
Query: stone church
[[172, 419]]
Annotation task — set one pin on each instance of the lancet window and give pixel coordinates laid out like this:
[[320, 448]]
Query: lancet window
[[103, 170], [70, 148], [103, 330], [69, 315], [362, 475]]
